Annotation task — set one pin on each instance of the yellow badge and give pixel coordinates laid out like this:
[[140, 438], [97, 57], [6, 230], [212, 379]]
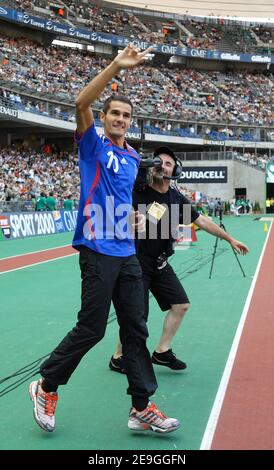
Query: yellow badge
[[156, 212]]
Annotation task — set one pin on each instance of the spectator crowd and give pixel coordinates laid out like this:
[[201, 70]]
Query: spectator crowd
[[167, 91], [27, 174]]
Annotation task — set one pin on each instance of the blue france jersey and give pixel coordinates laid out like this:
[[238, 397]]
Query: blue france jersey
[[107, 175]]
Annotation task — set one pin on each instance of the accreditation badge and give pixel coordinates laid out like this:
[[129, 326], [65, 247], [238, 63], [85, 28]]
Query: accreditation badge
[[156, 212]]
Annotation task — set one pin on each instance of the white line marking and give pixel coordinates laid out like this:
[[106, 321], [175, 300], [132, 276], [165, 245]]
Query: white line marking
[[216, 409], [35, 264], [33, 252]]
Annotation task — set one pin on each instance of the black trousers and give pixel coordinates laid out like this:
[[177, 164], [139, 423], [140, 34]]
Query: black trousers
[[106, 278]]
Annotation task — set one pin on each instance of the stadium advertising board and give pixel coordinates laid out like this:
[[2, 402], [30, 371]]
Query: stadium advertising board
[[133, 135], [92, 37], [5, 232], [8, 111], [30, 224], [204, 174]]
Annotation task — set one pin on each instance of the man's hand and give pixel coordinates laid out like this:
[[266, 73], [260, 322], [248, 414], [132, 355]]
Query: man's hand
[[131, 56], [239, 247], [139, 223]]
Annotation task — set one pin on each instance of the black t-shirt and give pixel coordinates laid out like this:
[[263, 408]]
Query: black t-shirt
[[163, 218]]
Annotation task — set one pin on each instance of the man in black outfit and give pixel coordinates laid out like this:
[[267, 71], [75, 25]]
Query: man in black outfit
[[160, 201]]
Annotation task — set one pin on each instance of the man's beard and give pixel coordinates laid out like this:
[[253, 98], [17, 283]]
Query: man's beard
[[158, 177]]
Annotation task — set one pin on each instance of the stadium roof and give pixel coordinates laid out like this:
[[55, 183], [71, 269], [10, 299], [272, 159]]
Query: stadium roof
[[244, 9]]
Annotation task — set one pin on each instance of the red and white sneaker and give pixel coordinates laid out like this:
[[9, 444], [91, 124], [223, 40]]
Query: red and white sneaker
[[151, 419], [44, 406]]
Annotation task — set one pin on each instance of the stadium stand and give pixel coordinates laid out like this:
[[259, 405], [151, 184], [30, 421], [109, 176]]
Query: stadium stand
[[168, 92], [189, 100]]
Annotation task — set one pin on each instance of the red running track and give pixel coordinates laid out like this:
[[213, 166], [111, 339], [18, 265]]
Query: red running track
[[246, 421], [21, 261]]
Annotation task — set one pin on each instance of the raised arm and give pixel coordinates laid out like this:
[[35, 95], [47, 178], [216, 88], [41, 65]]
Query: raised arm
[[130, 57], [206, 224]]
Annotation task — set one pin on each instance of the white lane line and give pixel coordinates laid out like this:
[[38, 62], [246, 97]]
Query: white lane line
[[216, 409], [35, 264], [38, 251]]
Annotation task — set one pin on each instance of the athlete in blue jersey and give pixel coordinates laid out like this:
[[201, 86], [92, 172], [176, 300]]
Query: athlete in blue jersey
[[108, 174], [109, 268]]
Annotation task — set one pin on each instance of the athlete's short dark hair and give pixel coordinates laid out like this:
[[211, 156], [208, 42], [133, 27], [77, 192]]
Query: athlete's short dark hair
[[122, 98]]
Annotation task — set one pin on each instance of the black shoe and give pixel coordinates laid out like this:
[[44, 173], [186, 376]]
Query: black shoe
[[117, 365], [168, 359]]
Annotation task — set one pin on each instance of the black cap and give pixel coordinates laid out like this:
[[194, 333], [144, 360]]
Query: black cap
[[165, 150]]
